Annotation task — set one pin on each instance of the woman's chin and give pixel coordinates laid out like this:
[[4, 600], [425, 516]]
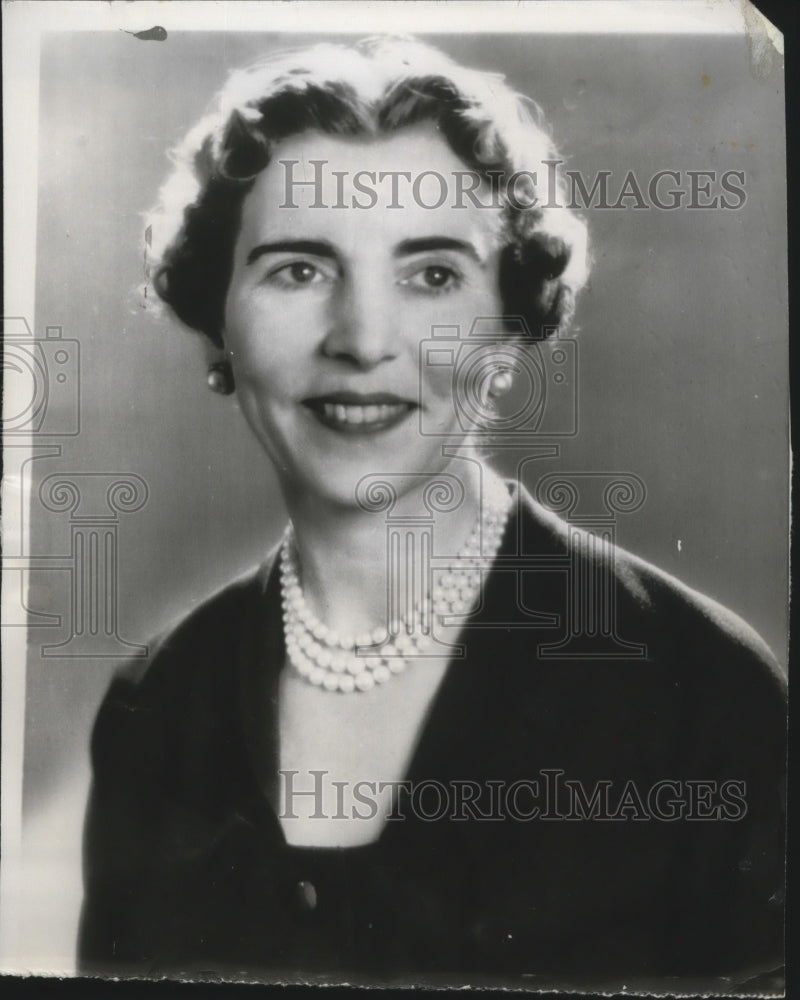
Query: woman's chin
[[319, 460], [350, 480]]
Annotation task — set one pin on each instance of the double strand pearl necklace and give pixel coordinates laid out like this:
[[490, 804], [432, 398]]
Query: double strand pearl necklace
[[345, 663]]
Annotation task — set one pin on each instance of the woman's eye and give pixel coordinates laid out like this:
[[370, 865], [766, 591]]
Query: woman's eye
[[434, 278], [437, 277], [297, 274]]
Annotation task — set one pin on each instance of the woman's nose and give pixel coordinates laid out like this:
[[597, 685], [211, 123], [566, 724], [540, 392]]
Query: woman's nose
[[361, 327]]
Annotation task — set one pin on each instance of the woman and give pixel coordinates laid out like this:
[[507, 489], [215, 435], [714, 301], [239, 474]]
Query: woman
[[377, 756]]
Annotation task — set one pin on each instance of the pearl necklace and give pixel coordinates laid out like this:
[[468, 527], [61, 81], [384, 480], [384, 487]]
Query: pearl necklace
[[337, 662]]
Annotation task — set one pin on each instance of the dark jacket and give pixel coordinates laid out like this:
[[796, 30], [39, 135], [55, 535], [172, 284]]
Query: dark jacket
[[187, 871]]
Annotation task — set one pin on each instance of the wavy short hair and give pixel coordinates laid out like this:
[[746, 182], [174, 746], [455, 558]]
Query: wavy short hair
[[371, 88]]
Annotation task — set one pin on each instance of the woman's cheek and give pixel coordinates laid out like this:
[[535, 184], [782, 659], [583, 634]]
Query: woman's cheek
[[437, 391]]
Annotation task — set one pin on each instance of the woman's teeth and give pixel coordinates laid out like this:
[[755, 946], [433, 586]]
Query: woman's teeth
[[372, 414]]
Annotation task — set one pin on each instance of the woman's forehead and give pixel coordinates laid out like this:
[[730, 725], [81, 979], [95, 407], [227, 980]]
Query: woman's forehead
[[407, 182]]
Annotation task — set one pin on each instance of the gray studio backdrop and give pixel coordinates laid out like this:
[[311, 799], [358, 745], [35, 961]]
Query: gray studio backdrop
[[682, 335]]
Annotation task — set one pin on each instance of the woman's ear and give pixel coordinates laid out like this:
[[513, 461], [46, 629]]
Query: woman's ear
[[219, 372], [494, 374], [508, 365]]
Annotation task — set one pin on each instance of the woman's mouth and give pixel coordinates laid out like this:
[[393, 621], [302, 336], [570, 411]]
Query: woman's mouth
[[350, 413]]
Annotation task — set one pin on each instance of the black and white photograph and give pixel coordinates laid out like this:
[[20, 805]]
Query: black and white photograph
[[396, 495]]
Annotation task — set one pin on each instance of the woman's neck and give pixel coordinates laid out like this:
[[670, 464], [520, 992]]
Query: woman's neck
[[344, 551]]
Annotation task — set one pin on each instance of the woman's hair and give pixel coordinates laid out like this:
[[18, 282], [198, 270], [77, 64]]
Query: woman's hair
[[371, 88]]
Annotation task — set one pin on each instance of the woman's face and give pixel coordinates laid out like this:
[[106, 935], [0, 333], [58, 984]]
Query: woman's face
[[328, 306]]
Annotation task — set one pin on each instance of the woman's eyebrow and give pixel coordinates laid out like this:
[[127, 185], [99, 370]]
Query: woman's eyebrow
[[319, 248], [427, 243]]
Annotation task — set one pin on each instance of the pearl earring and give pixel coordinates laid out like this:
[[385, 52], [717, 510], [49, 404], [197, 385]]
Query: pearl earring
[[500, 383], [220, 378]]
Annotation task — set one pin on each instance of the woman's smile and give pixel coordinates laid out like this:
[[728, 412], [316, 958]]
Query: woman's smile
[[352, 413]]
